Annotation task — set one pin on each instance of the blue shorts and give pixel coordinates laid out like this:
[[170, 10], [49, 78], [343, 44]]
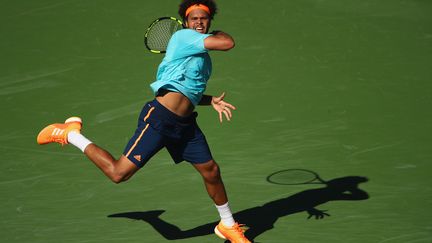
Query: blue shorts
[[158, 128]]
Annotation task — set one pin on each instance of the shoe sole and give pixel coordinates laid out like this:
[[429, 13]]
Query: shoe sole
[[218, 233]]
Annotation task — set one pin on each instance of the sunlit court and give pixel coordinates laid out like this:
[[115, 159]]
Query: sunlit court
[[330, 141]]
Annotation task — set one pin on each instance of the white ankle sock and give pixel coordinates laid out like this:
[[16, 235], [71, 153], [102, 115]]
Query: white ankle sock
[[78, 140], [226, 215]]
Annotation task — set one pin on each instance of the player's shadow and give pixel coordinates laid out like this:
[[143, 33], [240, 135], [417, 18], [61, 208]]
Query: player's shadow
[[262, 218]]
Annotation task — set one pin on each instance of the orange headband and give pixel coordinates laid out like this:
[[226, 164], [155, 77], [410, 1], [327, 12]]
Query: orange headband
[[197, 6]]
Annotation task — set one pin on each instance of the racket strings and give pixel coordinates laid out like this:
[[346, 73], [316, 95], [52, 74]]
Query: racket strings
[[160, 34]]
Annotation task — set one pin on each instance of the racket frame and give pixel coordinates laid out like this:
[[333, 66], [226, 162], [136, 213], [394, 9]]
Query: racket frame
[[151, 26]]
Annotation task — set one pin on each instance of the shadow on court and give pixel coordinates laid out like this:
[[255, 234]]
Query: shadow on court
[[262, 218]]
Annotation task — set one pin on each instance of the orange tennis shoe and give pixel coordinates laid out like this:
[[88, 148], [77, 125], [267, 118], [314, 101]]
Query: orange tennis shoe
[[233, 234], [58, 132]]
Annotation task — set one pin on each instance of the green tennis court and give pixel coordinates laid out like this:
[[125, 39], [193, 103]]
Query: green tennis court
[[340, 88]]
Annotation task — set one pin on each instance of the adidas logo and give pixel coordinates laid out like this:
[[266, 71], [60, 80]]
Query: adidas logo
[[138, 157]]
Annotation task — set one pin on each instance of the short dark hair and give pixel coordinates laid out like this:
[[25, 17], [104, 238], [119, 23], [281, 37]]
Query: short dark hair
[[185, 4]]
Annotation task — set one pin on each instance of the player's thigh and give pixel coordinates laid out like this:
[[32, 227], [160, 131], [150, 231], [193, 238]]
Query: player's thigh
[[193, 148], [143, 145]]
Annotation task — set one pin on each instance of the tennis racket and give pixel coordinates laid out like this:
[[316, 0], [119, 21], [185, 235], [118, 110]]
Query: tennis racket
[[159, 33], [295, 177]]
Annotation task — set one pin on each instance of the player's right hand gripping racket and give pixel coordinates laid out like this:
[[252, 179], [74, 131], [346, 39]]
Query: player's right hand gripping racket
[[159, 33]]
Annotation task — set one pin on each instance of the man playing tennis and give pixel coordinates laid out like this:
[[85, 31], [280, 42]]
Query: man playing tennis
[[169, 120]]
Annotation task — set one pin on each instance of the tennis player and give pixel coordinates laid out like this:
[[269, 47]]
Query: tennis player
[[169, 121]]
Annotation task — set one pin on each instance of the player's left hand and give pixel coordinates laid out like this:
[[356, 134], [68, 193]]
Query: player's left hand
[[222, 107]]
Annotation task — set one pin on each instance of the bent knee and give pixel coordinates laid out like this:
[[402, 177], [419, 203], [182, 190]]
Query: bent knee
[[117, 179], [123, 170], [212, 172]]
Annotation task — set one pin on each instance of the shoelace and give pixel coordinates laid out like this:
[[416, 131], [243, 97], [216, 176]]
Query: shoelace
[[240, 228], [60, 138]]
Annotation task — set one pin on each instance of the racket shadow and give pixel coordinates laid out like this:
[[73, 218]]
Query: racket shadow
[[262, 218]]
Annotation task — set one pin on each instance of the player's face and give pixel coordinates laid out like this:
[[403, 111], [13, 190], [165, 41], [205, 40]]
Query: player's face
[[198, 20]]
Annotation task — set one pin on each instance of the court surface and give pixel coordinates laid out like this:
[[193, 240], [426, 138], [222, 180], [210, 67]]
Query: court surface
[[341, 88]]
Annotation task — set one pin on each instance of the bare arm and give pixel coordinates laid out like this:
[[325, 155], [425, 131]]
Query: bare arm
[[219, 41]]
